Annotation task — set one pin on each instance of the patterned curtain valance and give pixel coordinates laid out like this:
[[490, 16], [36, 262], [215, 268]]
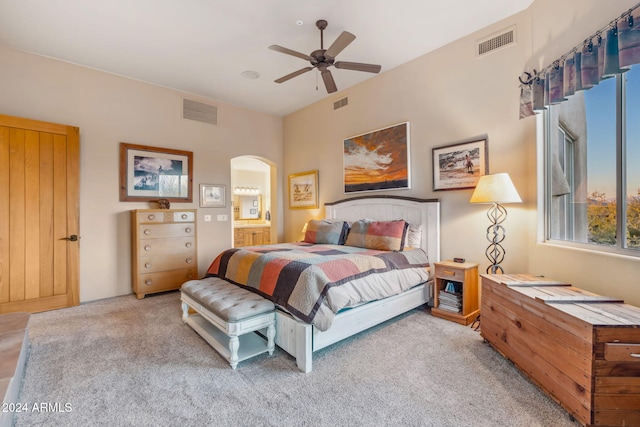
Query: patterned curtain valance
[[610, 51]]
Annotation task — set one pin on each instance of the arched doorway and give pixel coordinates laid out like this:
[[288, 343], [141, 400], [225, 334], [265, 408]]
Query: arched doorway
[[253, 195]]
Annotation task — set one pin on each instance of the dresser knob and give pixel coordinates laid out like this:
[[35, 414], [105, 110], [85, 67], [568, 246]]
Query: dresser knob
[[147, 248], [189, 276], [188, 230], [148, 282], [184, 216], [189, 244], [189, 260], [152, 217], [147, 231], [148, 265]]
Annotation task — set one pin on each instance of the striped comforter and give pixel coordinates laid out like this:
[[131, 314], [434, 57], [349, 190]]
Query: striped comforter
[[313, 281]]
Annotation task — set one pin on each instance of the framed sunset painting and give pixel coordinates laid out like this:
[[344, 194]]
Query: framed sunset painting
[[377, 160]]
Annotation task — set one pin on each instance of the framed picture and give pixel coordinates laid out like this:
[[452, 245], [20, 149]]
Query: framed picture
[[253, 211], [377, 160], [152, 173], [460, 165], [303, 190], [212, 196]]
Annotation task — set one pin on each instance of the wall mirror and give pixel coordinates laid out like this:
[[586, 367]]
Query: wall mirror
[[249, 207]]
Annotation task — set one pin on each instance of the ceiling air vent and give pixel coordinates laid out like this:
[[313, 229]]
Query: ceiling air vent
[[497, 41], [199, 112], [341, 103]]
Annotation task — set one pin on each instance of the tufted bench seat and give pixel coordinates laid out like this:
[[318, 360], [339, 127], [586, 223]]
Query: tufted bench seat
[[225, 316]]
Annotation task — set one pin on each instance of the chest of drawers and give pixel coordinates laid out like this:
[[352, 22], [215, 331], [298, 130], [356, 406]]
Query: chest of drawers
[[164, 249], [581, 348]]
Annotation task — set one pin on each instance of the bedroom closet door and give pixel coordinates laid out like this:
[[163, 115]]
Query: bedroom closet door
[[39, 225]]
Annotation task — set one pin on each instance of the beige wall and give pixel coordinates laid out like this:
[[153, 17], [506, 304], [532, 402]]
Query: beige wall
[[109, 109], [451, 95]]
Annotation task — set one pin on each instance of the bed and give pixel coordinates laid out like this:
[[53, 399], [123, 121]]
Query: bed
[[334, 284]]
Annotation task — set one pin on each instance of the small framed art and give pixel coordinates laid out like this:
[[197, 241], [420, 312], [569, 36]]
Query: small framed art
[[213, 196], [303, 190], [460, 165]]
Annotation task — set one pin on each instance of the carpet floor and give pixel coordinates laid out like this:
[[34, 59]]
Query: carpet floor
[[128, 362]]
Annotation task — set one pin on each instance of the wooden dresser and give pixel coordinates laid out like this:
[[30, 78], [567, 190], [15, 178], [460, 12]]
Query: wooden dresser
[[581, 348], [164, 249]]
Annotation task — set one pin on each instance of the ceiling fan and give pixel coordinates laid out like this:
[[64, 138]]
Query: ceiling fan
[[323, 58]]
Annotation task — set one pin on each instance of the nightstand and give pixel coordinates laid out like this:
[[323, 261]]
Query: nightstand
[[455, 293]]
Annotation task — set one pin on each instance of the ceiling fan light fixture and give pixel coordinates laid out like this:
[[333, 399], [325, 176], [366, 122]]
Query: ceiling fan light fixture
[[322, 58], [250, 74]]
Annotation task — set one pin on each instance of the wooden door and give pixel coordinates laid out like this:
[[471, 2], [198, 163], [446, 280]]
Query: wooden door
[[39, 225]]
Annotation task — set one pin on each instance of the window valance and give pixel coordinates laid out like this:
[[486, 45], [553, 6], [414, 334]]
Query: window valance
[[610, 51]]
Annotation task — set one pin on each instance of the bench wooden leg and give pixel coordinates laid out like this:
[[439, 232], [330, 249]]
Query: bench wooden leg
[[271, 342], [234, 345], [185, 311]]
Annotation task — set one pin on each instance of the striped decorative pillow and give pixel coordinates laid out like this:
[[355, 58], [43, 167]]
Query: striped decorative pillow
[[380, 235], [326, 232]]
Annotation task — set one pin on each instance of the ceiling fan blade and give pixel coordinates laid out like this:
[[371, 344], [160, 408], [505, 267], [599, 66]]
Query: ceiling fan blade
[[294, 74], [290, 52], [358, 66], [328, 81], [341, 42]]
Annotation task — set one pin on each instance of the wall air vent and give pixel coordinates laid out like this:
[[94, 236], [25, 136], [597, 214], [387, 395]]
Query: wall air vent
[[199, 112], [497, 41], [341, 103]]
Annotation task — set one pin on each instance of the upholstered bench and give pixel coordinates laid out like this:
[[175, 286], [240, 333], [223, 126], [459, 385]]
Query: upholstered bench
[[228, 316]]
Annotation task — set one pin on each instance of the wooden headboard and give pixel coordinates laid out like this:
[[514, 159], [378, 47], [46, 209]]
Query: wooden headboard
[[423, 213]]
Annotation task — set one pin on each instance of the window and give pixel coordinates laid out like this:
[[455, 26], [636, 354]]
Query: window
[[592, 153], [563, 157]]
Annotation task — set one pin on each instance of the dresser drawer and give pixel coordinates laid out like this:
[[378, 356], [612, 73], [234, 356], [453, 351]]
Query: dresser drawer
[[151, 217], [184, 216], [166, 280], [165, 262], [161, 231], [174, 246]]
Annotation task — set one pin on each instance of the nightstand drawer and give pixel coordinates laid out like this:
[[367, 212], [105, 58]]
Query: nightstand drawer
[[444, 272]]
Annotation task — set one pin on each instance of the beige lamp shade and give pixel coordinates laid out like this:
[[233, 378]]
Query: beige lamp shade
[[496, 188]]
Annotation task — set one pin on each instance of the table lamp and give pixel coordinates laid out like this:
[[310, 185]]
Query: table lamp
[[495, 189]]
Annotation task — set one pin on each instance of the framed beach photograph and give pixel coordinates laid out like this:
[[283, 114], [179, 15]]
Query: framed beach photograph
[[212, 196], [460, 165], [303, 190], [377, 160], [152, 173]]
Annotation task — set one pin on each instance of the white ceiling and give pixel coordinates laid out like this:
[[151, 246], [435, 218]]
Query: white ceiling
[[203, 46]]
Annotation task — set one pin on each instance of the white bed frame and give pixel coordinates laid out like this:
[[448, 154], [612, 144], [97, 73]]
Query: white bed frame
[[301, 339]]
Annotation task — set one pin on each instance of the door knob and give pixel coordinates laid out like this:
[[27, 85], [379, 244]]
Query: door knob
[[73, 238]]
